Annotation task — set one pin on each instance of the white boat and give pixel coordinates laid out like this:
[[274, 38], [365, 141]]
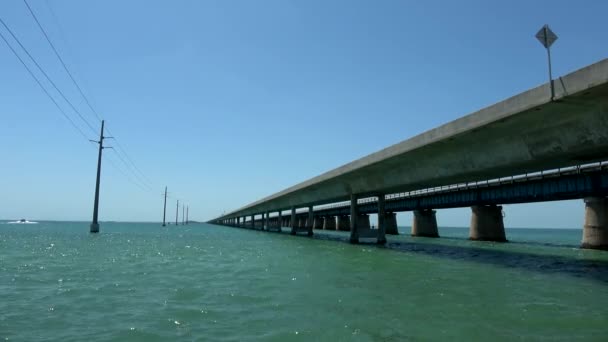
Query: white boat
[[22, 221]]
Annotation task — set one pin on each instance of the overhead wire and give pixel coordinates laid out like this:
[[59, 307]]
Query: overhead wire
[[61, 60], [65, 115], [120, 157], [47, 76], [105, 157], [132, 167]]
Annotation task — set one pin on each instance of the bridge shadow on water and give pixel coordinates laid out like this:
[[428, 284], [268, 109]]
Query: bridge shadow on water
[[588, 268], [522, 243]]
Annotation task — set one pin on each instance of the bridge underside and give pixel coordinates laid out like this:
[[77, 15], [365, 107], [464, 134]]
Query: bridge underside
[[523, 134], [527, 133]]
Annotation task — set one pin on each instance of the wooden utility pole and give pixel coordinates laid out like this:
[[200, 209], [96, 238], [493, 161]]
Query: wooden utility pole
[[95, 224], [165, 208]]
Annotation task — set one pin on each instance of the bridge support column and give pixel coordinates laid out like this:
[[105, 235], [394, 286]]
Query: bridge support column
[[266, 224], [363, 222], [381, 221], [318, 222], [344, 223], [425, 223], [391, 224], [252, 221], [309, 221], [279, 221], [487, 224], [329, 223], [595, 230], [354, 215], [294, 223]]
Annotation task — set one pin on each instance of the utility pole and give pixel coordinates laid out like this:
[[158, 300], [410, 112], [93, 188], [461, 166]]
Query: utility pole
[[95, 224], [187, 208], [165, 207], [183, 216], [176, 212]]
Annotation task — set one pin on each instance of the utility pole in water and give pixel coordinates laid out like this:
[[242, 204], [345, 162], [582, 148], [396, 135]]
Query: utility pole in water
[[176, 212], [187, 208], [95, 224], [165, 208], [183, 216]]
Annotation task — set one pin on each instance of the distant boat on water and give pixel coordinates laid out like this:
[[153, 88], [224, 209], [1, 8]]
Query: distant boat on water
[[22, 221]]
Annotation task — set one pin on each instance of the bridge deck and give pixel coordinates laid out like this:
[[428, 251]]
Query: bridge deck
[[525, 133]]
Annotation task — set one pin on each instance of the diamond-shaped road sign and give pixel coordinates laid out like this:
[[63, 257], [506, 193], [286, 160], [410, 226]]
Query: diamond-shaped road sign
[[546, 37]]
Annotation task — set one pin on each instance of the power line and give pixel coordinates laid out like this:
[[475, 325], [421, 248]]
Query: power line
[[122, 150], [47, 76], [43, 88], [124, 173], [119, 157], [61, 60]]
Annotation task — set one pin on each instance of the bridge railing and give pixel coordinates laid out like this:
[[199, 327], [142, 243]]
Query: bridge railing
[[596, 166]]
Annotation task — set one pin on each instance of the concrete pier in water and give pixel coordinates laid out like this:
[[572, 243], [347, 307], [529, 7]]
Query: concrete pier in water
[[595, 229], [487, 223], [391, 224], [425, 223]]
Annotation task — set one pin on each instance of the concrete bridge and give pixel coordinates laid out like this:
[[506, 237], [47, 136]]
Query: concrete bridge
[[528, 148]]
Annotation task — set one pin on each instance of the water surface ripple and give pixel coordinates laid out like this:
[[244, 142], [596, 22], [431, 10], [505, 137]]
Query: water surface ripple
[[142, 282]]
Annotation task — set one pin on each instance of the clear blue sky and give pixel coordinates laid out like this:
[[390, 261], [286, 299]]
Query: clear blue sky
[[229, 101]]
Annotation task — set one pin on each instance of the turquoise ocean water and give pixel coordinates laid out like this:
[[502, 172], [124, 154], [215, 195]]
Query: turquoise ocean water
[[143, 282]]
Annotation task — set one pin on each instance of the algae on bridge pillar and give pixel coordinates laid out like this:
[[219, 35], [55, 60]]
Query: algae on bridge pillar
[[595, 229]]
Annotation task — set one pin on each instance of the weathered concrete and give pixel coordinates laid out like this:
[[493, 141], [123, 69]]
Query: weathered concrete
[[344, 223], [381, 220], [595, 230], [487, 224], [329, 223], [309, 221], [391, 224], [525, 133], [363, 227], [354, 234], [425, 223]]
